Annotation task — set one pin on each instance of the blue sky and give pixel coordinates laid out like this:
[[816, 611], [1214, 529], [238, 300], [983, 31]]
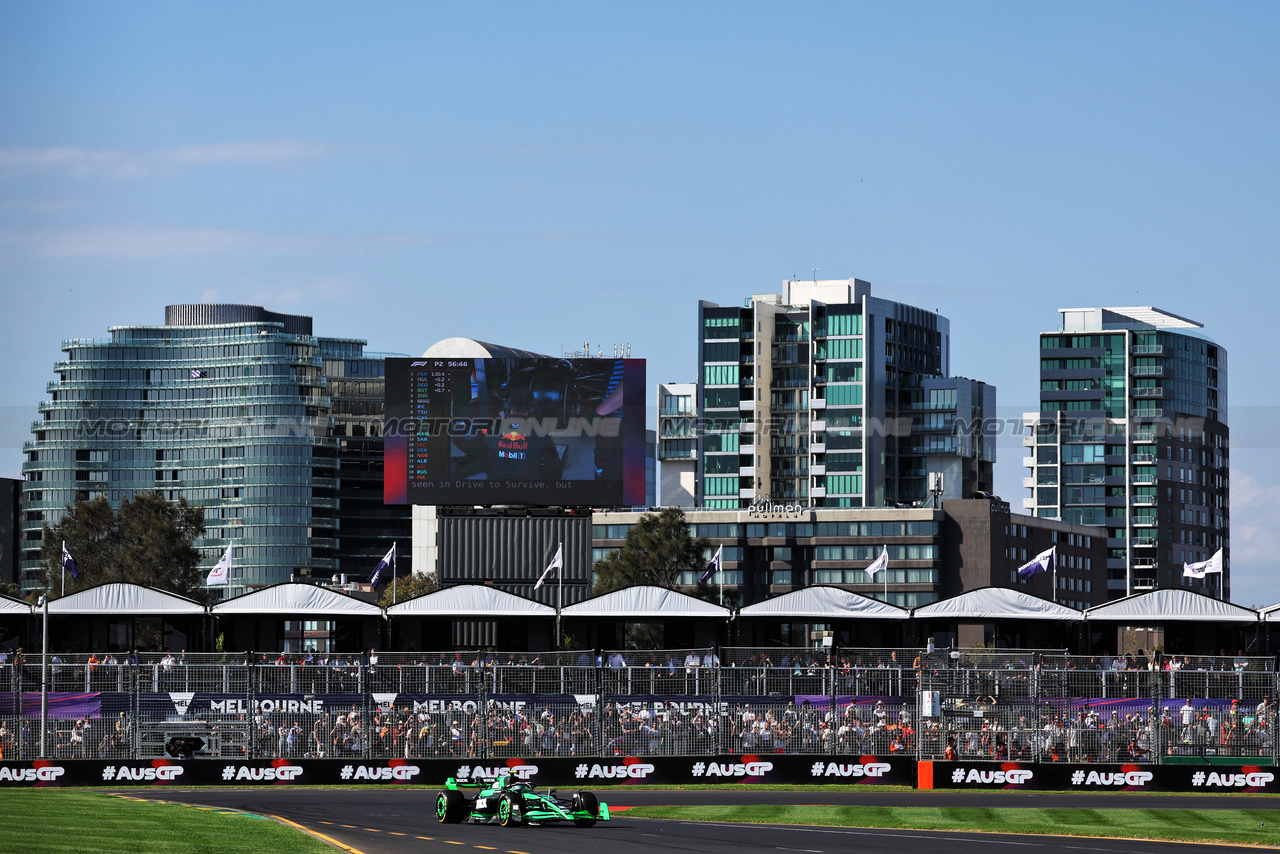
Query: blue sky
[[546, 174]]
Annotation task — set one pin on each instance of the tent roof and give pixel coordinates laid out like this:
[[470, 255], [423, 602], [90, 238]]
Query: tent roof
[[470, 600], [996, 603], [1168, 606], [644, 601], [1270, 614], [296, 598], [823, 602], [123, 598], [10, 606]]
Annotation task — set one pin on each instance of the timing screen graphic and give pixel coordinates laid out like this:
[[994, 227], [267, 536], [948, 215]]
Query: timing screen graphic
[[515, 431]]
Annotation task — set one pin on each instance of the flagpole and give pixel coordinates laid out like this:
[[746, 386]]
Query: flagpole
[[886, 576], [64, 568], [559, 591], [1054, 558], [393, 572]]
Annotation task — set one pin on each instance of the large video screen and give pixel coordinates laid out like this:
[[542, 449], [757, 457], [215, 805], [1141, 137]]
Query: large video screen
[[531, 431]]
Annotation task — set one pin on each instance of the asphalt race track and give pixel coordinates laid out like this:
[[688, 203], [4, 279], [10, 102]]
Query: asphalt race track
[[390, 820]]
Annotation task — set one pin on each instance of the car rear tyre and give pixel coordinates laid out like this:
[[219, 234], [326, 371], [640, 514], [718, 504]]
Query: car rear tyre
[[451, 807], [506, 811], [587, 803]]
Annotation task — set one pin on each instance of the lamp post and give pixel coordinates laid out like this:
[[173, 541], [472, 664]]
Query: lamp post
[[44, 672]]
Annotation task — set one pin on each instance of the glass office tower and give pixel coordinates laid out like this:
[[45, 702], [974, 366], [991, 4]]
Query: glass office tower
[[1132, 435], [232, 407]]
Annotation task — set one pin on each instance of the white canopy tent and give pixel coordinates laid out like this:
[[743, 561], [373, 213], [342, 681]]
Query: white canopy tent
[[13, 607], [1270, 614], [996, 603], [824, 603], [124, 600], [470, 600], [296, 600], [643, 603], [1172, 605]]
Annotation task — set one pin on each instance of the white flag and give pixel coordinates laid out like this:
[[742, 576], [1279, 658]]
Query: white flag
[[879, 563], [1042, 562], [220, 571], [1204, 567], [557, 562]]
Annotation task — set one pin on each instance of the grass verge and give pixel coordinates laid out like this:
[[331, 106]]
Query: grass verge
[[53, 821], [1255, 827]]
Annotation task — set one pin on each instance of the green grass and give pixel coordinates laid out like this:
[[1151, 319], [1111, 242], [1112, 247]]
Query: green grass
[[1221, 826], [37, 821]]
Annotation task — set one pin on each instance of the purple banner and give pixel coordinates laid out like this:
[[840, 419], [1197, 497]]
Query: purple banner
[[63, 706]]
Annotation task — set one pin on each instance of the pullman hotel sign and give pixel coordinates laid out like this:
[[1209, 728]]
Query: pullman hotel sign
[[765, 508]]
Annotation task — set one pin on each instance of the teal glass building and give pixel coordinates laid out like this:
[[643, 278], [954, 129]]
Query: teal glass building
[[826, 396], [1132, 436], [274, 431]]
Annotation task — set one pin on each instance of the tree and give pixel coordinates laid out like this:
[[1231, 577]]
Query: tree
[[148, 540], [418, 584], [657, 550]]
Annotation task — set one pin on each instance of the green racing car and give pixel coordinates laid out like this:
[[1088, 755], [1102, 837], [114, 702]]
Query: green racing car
[[509, 802]]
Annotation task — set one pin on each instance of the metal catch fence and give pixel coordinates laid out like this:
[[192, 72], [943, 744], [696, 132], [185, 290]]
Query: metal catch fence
[[1037, 706]]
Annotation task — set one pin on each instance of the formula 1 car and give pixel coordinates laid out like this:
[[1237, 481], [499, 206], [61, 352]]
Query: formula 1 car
[[509, 802]]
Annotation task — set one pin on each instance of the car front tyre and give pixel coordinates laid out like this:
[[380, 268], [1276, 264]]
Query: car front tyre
[[506, 811], [586, 802]]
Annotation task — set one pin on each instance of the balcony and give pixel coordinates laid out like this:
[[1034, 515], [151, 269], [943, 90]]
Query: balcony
[[818, 426], [1144, 563], [1146, 413], [1144, 437], [1143, 542], [1144, 459], [1029, 482], [746, 406], [746, 493], [1150, 350], [1142, 479], [747, 471], [746, 450], [747, 427], [1151, 371], [817, 470], [1029, 462], [1144, 501], [818, 448], [1029, 441], [1144, 584], [817, 492], [1144, 521], [818, 404], [1158, 391]]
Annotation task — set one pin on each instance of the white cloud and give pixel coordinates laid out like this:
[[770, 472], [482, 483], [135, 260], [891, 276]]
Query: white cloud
[[120, 163]]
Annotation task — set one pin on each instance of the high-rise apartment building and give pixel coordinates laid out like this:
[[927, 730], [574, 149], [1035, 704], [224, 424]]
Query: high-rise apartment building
[[677, 444], [243, 411], [826, 395], [1132, 435]]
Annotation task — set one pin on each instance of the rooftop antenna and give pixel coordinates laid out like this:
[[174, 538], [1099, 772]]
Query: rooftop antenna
[[815, 274]]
